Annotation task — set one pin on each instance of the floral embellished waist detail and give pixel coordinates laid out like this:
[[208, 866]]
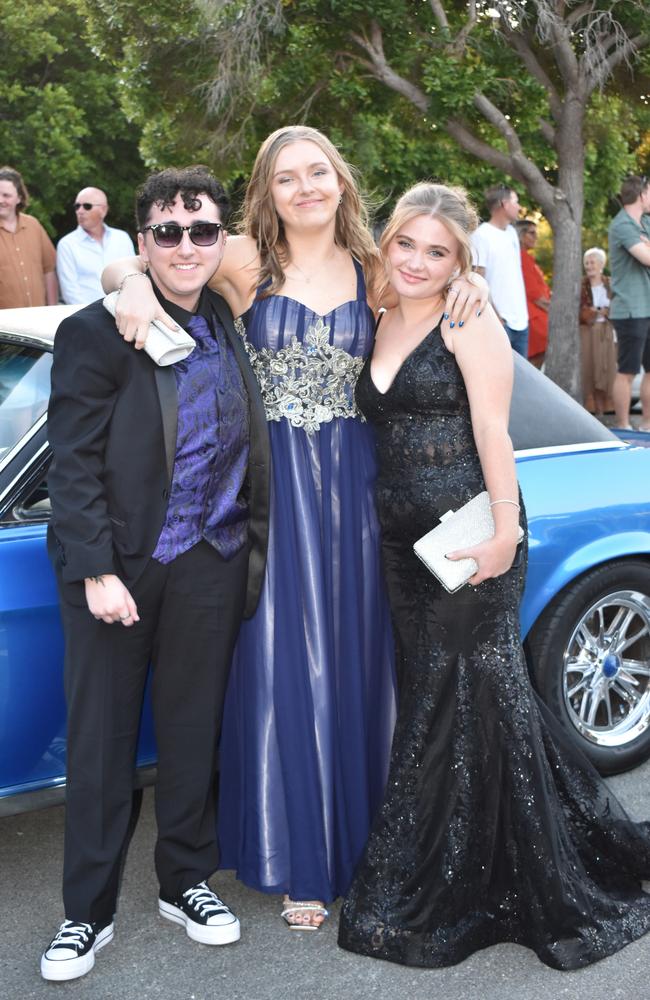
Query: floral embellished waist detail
[[308, 383]]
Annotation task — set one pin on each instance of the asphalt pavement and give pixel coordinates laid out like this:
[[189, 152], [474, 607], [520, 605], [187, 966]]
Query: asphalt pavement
[[152, 959]]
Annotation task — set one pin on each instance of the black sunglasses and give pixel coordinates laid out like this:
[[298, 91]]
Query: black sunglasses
[[170, 234], [86, 205]]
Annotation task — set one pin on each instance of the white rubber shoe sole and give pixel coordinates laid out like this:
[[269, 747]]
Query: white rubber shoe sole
[[226, 933], [58, 970]]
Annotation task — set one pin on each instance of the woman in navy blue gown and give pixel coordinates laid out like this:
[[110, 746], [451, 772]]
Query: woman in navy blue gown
[[310, 708]]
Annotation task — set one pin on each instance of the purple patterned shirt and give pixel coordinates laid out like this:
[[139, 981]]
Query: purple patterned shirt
[[205, 500]]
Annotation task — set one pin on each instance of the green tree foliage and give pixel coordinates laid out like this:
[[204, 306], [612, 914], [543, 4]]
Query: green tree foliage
[[61, 123]]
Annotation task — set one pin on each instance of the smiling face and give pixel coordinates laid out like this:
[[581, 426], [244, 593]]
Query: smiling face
[[305, 187], [422, 258], [9, 201], [593, 265], [181, 272]]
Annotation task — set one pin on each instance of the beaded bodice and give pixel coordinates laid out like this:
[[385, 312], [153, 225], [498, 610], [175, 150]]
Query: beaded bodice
[[307, 365]]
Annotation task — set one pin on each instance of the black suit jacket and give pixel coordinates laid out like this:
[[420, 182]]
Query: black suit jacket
[[112, 427]]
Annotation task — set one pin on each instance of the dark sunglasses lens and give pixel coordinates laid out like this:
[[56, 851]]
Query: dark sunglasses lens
[[202, 234], [86, 205], [205, 234], [167, 236]]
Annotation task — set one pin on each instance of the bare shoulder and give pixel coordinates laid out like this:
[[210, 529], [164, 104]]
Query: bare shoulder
[[482, 343], [236, 277]]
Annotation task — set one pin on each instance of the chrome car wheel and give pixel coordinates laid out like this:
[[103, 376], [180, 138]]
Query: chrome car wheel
[[607, 669], [589, 655]]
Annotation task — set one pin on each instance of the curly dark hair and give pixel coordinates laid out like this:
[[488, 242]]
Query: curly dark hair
[[9, 174], [161, 189]]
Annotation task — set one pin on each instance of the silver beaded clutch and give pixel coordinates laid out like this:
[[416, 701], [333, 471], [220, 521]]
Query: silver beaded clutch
[[163, 345], [458, 529]]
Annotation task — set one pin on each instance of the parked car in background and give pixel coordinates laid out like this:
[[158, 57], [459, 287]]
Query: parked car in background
[[585, 615]]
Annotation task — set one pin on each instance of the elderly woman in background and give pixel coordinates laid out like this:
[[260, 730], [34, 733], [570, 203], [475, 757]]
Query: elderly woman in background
[[538, 294], [597, 337]]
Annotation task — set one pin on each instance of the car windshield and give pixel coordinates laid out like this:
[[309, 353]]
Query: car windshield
[[24, 390]]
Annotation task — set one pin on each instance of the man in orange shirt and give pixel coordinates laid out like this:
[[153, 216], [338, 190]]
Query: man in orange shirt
[[538, 294], [27, 255]]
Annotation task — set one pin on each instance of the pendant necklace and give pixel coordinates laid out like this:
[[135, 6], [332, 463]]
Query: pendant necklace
[[308, 277]]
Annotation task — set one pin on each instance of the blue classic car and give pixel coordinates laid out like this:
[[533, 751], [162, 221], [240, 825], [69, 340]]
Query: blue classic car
[[32, 706], [585, 614]]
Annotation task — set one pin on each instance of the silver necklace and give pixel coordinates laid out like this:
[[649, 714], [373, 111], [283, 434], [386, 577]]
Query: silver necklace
[[320, 267]]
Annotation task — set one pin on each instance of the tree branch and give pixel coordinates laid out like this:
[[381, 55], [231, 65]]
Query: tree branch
[[579, 12], [521, 166], [460, 41], [603, 69], [548, 132], [380, 68], [565, 57], [521, 45], [439, 13]]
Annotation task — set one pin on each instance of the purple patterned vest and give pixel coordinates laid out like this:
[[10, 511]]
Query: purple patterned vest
[[205, 500]]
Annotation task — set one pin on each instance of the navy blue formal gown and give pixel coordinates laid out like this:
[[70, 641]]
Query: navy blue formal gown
[[310, 707], [494, 827]]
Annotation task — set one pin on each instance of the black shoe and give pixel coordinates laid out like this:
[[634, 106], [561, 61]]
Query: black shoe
[[205, 917], [71, 953]]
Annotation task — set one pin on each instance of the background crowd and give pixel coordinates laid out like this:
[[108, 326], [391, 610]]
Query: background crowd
[[33, 272]]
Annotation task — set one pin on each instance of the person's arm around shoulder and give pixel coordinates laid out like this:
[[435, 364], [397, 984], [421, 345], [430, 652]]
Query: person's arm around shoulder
[[484, 356], [238, 274], [137, 306]]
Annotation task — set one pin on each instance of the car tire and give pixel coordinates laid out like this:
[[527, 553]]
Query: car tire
[[589, 655]]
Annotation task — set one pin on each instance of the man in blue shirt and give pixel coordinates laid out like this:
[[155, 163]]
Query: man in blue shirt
[[82, 255], [159, 488]]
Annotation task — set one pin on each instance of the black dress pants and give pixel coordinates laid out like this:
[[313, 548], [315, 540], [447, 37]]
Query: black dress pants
[[190, 612]]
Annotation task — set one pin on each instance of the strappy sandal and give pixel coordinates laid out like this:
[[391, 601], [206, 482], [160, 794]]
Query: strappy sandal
[[311, 908]]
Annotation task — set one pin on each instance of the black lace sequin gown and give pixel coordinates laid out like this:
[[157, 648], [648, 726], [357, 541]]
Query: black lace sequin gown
[[494, 827]]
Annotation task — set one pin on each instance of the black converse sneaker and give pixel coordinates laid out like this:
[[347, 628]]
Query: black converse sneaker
[[205, 917], [71, 953]]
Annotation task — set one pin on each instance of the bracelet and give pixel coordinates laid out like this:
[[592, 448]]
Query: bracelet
[[513, 502], [131, 274]]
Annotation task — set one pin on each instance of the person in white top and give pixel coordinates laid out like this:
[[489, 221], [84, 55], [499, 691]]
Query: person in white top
[[83, 254], [497, 257]]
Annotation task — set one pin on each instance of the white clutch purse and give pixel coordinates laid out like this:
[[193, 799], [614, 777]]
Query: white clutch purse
[[163, 345], [458, 529]]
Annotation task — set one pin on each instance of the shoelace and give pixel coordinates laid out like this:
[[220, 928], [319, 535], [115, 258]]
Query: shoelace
[[201, 898], [71, 935]]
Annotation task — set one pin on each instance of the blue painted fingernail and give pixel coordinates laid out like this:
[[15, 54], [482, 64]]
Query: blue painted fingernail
[[445, 315], [461, 323], [452, 325], [478, 312]]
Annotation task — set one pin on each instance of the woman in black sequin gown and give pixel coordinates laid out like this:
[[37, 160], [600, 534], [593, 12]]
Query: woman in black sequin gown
[[494, 827]]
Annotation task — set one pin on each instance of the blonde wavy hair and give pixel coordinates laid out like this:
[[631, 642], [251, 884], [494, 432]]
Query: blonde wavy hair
[[260, 220], [449, 205]]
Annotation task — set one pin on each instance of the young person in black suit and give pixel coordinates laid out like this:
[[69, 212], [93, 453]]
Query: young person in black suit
[[159, 488]]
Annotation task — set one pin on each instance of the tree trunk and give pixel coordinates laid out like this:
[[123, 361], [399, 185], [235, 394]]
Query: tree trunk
[[563, 354], [565, 218]]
